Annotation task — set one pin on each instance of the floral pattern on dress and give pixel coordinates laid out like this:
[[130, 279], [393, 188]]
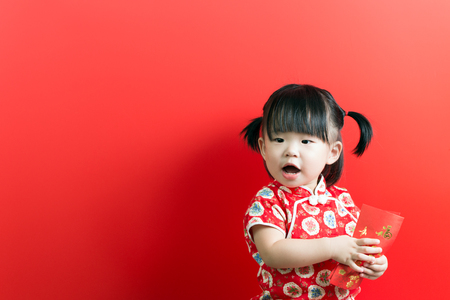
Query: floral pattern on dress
[[305, 272], [256, 210], [266, 193], [329, 219], [267, 278], [286, 189], [289, 216], [282, 197], [284, 271], [258, 258], [340, 209], [340, 188], [323, 278], [282, 208], [292, 290], [341, 293], [312, 210], [321, 187], [350, 228], [278, 212], [315, 292], [254, 220], [311, 226], [346, 200], [266, 296]]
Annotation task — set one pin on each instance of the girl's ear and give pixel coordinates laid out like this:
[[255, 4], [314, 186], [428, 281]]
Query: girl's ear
[[261, 147], [335, 152]]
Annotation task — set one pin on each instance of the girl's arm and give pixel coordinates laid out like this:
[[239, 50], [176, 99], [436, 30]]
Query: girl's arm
[[278, 252]]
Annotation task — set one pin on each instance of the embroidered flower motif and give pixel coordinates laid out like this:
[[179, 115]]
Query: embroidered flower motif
[[340, 209], [284, 271], [258, 258], [321, 187], [265, 193], [289, 216], [266, 296], [341, 293], [323, 278], [305, 272], [350, 228], [285, 189], [340, 188], [312, 210], [311, 226], [282, 196], [315, 292], [329, 219], [346, 200], [278, 212], [253, 221], [292, 290], [267, 278], [256, 209]]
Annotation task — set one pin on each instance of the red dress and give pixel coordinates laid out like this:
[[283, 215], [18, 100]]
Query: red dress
[[301, 214]]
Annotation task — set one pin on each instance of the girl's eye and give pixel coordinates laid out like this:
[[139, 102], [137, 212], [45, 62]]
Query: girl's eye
[[306, 141], [278, 140]]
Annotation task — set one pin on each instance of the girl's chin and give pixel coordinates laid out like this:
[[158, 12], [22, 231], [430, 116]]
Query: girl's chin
[[296, 183], [288, 183]]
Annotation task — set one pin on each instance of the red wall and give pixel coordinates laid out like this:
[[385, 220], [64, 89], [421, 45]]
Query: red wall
[[122, 172]]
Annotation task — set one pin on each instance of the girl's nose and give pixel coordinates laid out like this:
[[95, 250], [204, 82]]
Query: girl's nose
[[291, 152]]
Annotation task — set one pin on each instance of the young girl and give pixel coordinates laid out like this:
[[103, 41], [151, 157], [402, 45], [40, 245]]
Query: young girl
[[299, 227]]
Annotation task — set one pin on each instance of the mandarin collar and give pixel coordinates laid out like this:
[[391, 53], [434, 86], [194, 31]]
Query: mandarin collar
[[305, 191]]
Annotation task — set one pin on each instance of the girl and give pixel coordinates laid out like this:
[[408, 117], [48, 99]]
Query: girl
[[299, 227]]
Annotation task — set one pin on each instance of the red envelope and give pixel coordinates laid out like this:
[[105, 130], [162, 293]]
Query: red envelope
[[372, 223]]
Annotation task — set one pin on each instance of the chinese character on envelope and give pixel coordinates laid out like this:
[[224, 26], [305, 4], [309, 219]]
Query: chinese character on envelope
[[372, 223]]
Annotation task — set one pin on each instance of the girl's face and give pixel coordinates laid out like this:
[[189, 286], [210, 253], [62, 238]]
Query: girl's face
[[297, 159]]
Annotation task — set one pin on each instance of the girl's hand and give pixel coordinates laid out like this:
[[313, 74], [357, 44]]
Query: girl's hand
[[347, 250], [376, 269]]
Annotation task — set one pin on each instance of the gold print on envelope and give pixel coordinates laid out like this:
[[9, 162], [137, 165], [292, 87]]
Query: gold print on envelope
[[387, 233]]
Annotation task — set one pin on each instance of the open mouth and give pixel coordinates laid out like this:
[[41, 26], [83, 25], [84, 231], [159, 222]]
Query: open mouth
[[291, 169]]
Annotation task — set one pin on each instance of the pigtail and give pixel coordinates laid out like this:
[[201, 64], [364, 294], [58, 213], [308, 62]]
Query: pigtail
[[365, 132], [251, 133]]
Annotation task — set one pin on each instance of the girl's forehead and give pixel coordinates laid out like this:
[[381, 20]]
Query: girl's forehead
[[293, 134], [324, 132]]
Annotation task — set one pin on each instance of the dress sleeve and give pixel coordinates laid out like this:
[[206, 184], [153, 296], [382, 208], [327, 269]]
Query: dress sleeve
[[265, 209]]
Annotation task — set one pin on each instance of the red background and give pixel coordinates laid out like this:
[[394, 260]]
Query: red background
[[122, 172]]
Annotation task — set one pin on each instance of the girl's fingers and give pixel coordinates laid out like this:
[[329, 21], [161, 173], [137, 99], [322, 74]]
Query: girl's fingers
[[374, 267], [355, 267], [372, 250], [374, 271], [367, 258], [371, 274], [367, 241], [371, 277]]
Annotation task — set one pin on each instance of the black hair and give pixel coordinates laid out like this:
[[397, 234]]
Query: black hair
[[311, 110]]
